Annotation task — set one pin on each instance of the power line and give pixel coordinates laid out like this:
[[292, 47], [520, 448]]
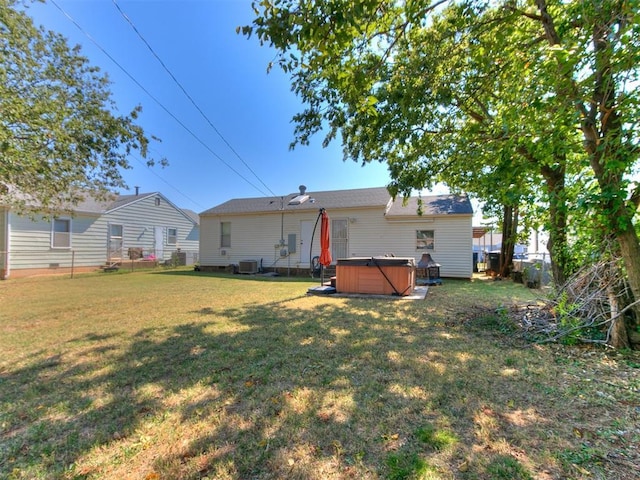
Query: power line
[[187, 129], [184, 91], [139, 160]]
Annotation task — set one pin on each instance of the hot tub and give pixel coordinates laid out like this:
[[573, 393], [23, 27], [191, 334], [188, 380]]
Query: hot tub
[[376, 275]]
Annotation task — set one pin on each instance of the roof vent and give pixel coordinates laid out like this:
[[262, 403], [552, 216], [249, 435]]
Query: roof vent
[[298, 199], [301, 197]]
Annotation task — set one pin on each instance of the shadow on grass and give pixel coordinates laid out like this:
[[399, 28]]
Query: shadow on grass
[[337, 390], [253, 277]]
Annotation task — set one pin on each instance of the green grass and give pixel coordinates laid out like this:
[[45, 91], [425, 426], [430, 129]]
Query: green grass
[[181, 374]]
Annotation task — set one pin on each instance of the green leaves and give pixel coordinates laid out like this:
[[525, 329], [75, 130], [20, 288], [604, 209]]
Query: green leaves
[[59, 134], [519, 103]]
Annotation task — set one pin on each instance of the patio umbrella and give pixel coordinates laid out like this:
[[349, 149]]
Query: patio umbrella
[[325, 252]]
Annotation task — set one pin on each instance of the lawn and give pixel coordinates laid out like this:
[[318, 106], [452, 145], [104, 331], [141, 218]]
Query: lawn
[[186, 375]]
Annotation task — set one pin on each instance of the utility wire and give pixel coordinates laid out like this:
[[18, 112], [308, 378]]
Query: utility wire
[[154, 98], [139, 160], [193, 102]]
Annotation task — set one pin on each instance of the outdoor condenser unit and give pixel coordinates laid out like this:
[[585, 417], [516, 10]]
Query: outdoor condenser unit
[[248, 266]]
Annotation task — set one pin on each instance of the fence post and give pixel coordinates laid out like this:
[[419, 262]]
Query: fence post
[[73, 261]]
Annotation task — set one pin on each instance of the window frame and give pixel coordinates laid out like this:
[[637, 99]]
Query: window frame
[[175, 236], [225, 238], [54, 232], [422, 242], [117, 225]]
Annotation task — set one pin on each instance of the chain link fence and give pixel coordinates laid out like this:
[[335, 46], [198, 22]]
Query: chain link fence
[[22, 263]]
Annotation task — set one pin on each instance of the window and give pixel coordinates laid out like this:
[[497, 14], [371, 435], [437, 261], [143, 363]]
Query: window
[[115, 231], [61, 233], [172, 236], [424, 240], [225, 234], [339, 239]]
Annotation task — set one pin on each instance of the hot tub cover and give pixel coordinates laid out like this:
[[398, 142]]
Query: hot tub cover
[[377, 261]]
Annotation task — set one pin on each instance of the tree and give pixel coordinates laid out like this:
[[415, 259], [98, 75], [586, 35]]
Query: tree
[[59, 135], [436, 103], [415, 84]]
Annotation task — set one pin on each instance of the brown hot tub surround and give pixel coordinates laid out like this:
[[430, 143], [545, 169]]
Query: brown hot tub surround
[[376, 275]]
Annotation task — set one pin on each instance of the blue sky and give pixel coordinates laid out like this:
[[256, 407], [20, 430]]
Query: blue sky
[[225, 74]]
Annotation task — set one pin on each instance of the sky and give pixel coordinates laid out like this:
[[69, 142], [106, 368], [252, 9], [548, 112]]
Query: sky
[[240, 146]]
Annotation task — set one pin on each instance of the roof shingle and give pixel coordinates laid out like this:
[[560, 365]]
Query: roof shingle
[[432, 205], [357, 198]]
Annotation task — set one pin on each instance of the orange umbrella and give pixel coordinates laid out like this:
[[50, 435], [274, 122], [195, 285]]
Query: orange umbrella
[[325, 252]]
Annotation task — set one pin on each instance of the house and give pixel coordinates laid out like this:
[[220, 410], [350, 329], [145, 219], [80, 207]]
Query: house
[[129, 228], [282, 233]]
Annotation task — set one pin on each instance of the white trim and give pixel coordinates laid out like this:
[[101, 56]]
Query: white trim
[[176, 236], [433, 237], [53, 223]]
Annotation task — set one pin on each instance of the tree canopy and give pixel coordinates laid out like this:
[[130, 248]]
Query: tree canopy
[[60, 134], [518, 102]]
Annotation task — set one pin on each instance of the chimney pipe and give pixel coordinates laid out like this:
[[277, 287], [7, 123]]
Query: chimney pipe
[[137, 190], [302, 189]]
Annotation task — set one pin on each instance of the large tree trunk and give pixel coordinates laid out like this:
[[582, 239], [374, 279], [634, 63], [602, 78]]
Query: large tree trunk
[[509, 230], [630, 250], [619, 336], [557, 245], [602, 129]]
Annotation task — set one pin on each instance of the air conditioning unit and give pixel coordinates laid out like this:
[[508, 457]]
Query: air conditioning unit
[[248, 266]]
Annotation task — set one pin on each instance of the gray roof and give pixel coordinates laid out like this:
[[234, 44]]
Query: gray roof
[[92, 205], [123, 200], [432, 205], [87, 204], [112, 201], [192, 215], [359, 198]]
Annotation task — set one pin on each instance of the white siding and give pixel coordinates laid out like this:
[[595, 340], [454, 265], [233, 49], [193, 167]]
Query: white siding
[[254, 237], [30, 241], [139, 220], [4, 233]]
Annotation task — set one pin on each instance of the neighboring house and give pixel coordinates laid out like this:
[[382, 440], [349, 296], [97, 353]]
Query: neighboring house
[[129, 228], [276, 232], [491, 241]]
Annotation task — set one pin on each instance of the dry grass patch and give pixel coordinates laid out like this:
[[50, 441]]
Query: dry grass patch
[[187, 375]]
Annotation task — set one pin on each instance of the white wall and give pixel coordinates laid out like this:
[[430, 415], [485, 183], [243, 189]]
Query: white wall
[[30, 241], [253, 237], [140, 218]]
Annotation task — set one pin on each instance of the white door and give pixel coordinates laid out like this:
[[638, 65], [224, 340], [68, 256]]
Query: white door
[[158, 242], [306, 231], [115, 242]]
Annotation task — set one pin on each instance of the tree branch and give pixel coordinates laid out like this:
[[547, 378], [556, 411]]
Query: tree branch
[[529, 15]]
